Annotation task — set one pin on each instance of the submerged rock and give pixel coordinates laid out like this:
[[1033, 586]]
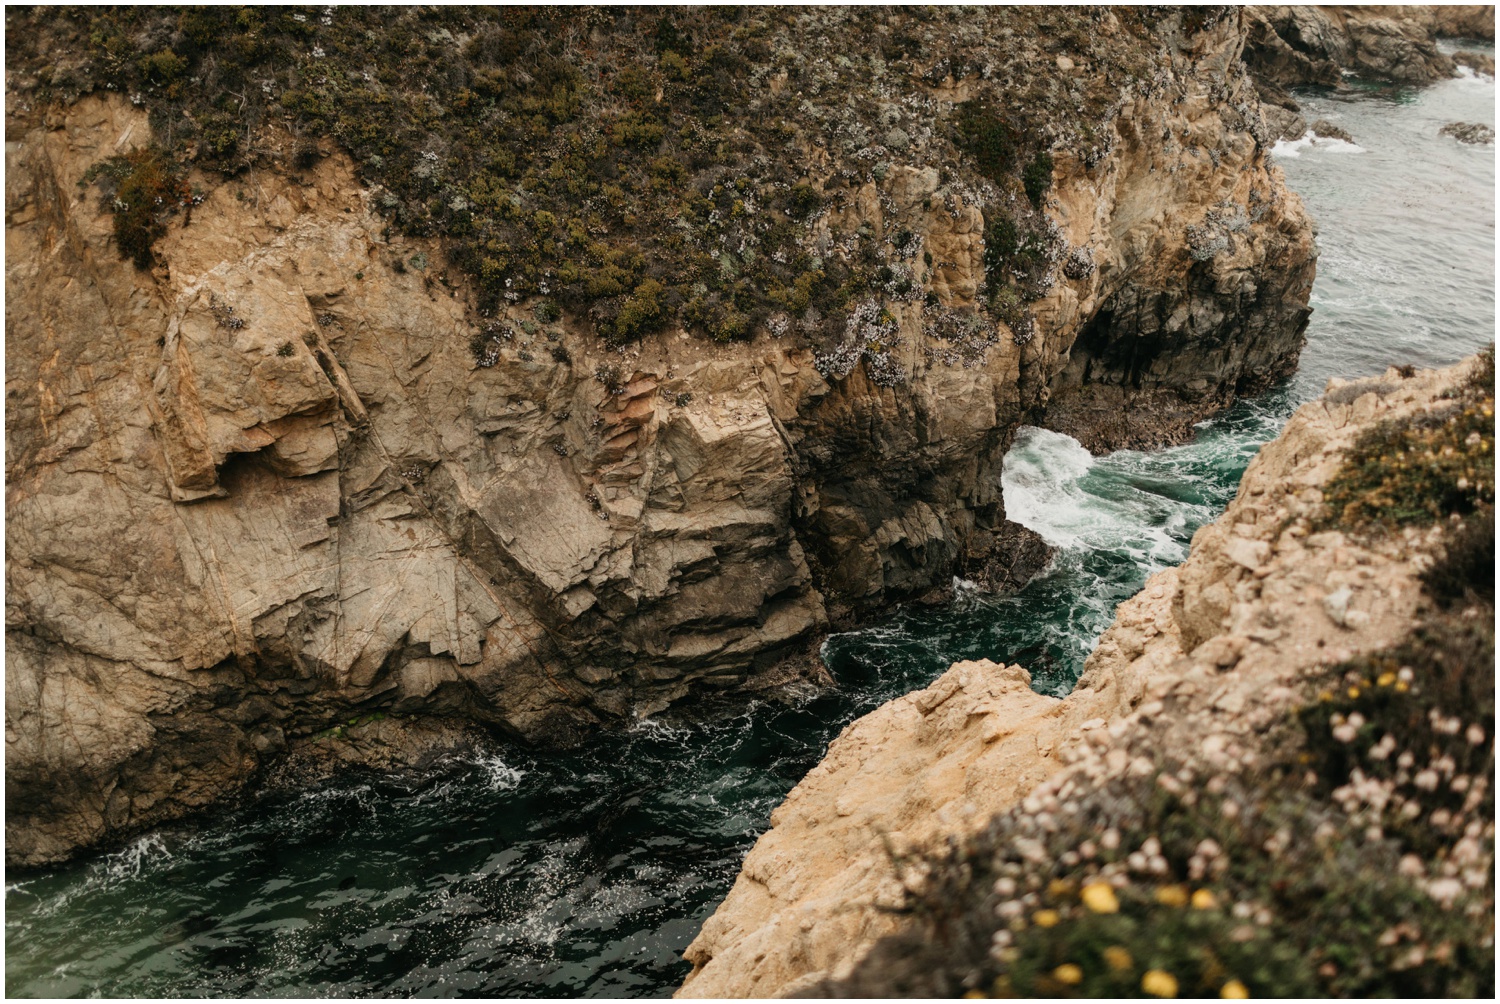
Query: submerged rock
[[1325, 129], [1477, 61]]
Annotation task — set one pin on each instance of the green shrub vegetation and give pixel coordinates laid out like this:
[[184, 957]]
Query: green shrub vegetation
[[142, 189], [1037, 178], [1416, 470], [636, 167]]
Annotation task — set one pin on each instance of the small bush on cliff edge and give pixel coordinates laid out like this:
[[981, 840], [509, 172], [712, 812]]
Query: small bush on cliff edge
[[142, 189], [1037, 178]]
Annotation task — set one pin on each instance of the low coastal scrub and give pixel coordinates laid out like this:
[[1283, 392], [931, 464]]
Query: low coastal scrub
[[1431, 466], [637, 167], [1359, 864], [142, 190]]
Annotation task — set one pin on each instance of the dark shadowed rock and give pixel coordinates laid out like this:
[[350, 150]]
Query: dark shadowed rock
[[1472, 133], [1290, 46], [1327, 130], [1008, 559]]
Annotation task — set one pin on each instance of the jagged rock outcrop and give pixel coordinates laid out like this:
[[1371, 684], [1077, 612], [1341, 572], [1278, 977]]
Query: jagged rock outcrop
[[1292, 46], [1199, 664], [1470, 133], [1476, 61], [278, 481]]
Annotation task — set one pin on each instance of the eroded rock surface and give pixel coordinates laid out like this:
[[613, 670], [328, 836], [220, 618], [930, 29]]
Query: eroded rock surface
[[1295, 46], [1198, 665], [1470, 133], [271, 485]]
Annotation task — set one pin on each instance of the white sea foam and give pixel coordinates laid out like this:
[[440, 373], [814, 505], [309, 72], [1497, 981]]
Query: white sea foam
[[1291, 147], [1052, 485], [1312, 141], [143, 855], [1332, 144], [498, 774], [1039, 479]]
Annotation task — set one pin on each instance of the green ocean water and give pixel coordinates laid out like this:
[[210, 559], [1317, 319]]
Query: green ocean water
[[586, 874]]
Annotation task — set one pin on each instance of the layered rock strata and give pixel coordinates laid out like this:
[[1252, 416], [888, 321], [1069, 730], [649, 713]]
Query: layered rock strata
[[1199, 664], [270, 484]]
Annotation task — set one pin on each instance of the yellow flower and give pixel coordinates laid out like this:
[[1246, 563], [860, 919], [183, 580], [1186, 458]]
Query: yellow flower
[[1117, 957], [1059, 888], [1068, 974], [1172, 895], [1046, 918], [1402, 686], [1326, 695], [1159, 983], [1353, 693], [1385, 679], [1234, 990], [1204, 900], [1100, 897], [974, 995]]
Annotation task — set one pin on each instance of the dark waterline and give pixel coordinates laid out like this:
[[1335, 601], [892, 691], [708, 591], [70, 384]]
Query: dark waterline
[[587, 874]]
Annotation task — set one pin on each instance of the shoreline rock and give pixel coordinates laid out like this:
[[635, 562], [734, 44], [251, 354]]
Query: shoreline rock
[[1291, 46], [1202, 661], [1476, 61], [1325, 129], [1468, 133], [1319, 46]]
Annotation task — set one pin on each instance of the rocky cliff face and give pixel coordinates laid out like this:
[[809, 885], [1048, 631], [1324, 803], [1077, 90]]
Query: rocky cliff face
[[1201, 665], [284, 478]]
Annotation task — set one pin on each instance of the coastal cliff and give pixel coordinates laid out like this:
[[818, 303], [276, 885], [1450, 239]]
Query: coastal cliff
[[875, 878], [298, 460]]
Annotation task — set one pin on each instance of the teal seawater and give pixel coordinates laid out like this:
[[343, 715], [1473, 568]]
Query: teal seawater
[[587, 874]]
